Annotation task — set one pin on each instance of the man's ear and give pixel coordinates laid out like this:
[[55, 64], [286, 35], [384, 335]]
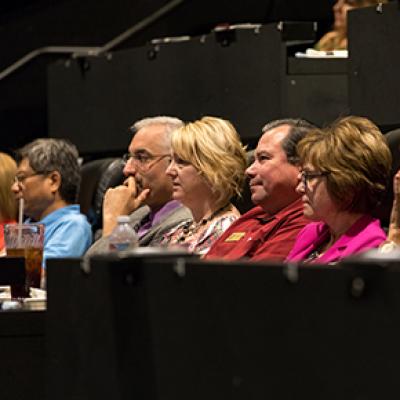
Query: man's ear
[[55, 179]]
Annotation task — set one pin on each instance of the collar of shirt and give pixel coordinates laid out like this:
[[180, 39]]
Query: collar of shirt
[[154, 218], [49, 218], [264, 217]]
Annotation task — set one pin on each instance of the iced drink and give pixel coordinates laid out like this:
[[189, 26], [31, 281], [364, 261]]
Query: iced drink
[[26, 241]]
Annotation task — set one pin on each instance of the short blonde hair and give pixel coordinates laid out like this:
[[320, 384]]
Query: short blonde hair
[[354, 153], [213, 147], [8, 204]]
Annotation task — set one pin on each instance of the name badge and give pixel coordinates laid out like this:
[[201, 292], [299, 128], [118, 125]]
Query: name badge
[[235, 236]]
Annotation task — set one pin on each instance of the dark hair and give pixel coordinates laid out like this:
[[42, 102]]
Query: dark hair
[[299, 128], [48, 155]]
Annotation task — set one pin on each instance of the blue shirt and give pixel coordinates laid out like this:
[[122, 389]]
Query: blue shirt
[[67, 233]]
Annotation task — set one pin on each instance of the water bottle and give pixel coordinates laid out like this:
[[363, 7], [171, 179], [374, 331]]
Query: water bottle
[[123, 237]]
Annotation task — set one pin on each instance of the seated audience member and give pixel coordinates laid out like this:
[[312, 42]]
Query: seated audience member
[[146, 194], [345, 169], [8, 205], [48, 179], [393, 237], [337, 38], [268, 231], [207, 170]]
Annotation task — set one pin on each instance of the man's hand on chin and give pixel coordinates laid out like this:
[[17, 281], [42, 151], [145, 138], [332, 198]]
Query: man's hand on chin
[[121, 200]]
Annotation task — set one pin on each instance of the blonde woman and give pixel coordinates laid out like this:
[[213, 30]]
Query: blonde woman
[[207, 169], [337, 38], [8, 204]]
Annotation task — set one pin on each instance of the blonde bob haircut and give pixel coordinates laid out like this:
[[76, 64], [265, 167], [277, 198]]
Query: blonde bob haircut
[[213, 147], [8, 205], [355, 155]]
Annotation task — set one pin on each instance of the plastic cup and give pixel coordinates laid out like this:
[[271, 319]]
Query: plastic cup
[[26, 241]]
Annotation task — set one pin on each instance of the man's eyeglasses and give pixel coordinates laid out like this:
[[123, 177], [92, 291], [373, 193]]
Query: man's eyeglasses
[[306, 176], [20, 179], [143, 161]]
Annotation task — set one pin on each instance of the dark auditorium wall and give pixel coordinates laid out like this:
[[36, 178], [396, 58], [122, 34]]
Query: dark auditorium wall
[[28, 24]]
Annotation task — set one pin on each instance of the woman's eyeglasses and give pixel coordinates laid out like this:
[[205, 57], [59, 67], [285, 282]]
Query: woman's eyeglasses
[[306, 176]]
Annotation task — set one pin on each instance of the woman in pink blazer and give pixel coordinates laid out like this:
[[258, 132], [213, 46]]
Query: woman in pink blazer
[[345, 168]]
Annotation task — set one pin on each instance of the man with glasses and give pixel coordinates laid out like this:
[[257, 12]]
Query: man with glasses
[[146, 194], [268, 231], [48, 179]]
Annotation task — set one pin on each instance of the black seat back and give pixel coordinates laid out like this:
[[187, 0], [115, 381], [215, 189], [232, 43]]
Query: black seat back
[[97, 177], [383, 210]]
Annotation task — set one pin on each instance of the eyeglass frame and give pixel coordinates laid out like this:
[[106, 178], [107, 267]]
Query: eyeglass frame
[[178, 162], [19, 180], [306, 175], [151, 160]]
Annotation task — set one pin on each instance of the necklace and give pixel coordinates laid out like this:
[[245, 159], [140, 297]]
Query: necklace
[[191, 227], [320, 250]]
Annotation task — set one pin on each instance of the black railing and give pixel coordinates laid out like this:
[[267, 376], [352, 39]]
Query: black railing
[[92, 51]]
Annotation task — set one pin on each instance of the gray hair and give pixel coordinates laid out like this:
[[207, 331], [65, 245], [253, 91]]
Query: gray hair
[[171, 123], [299, 128], [48, 155]]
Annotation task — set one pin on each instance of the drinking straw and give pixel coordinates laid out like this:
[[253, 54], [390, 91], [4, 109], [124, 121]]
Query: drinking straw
[[21, 211], [20, 221]]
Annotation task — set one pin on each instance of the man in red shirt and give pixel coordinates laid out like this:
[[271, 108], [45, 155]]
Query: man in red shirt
[[268, 231]]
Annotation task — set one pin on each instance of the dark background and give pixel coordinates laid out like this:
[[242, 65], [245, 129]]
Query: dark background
[[26, 25]]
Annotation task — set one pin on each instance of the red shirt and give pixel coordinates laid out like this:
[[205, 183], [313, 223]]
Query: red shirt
[[258, 235]]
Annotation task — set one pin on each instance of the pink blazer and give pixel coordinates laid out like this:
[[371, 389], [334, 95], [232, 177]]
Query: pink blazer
[[366, 233]]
